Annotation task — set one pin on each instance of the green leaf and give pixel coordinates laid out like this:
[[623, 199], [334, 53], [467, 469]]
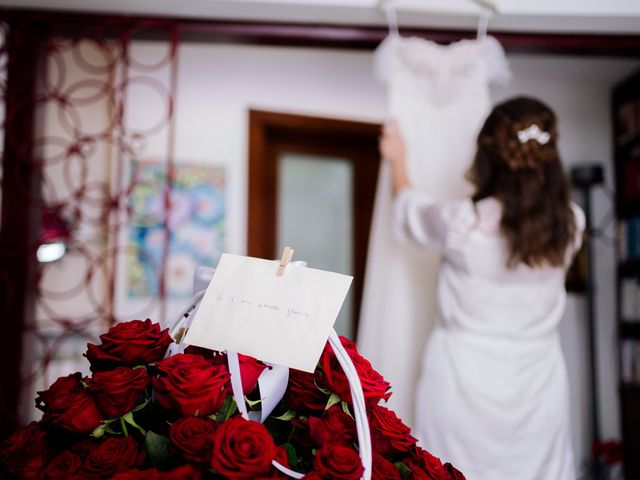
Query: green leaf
[[286, 416], [345, 408], [292, 456], [157, 447], [405, 472], [142, 405], [228, 409], [252, 403], [128, 417], [323, 390], [334, 399], [100, 430]]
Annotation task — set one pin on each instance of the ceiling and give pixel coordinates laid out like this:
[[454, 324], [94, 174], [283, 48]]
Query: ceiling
[[562, 16]]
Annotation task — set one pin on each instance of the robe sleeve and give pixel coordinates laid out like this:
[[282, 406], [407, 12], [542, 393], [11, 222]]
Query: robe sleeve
[[429, 222]]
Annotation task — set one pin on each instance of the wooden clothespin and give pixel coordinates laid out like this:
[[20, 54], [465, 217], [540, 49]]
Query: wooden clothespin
[[287, 254]]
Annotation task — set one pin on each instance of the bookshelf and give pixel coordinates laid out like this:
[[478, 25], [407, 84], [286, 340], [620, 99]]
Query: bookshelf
[[626, 147]]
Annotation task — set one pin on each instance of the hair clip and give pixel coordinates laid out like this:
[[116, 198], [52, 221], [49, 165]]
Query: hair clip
[[533, 132]]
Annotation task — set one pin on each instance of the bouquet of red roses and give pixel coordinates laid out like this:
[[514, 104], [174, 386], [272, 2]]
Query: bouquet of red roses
[[142, 416]]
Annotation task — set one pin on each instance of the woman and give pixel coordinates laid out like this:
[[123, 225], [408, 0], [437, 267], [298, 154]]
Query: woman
[[493, 395]]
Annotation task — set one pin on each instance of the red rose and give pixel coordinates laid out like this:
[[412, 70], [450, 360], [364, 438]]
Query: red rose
[[334, 426], [81, 475], [129, 343], [66, 404], [338, 462], [192, 437], [250, 370], [454, 473], [303, 395], [418, 474], [383, 469], [112, 456], [62, 467], [422, 461], [388, 433], [117, 391], [135, 474], [283, 459], [185, 472], [191, 385], [242, 449], [25, 450], [374, 386], [312, 476]]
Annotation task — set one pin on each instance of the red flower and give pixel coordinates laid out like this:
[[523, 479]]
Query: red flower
[[191, 385], [374, 386], [192, 437], [25, 452], [454, 473], [117, 391], [242, 449], [312, 476], [422, 462], [66, 404], [608, 450], [82, 475], [135, 474], [112, 456], [62, 467], [303, 395], [383, 469], [388, 434], [338, 462], [334, 426], [129, 343], [250, 368], [184, 472]]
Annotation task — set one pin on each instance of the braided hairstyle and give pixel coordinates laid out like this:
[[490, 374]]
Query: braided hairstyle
[[517, 163]]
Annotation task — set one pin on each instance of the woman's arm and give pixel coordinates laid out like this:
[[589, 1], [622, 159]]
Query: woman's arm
[[392, 150]]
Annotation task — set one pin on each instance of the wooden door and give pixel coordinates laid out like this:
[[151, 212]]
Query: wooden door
[[273, 136]]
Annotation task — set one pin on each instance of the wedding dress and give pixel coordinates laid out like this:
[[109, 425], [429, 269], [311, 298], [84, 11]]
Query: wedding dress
[[439, 96]]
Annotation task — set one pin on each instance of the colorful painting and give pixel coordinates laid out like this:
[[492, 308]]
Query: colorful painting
[[181, 222]]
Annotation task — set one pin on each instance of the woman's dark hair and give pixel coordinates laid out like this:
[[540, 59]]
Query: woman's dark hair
[[517, 163]]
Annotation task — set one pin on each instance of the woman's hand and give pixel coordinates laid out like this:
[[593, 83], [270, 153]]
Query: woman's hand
[[392, 150]]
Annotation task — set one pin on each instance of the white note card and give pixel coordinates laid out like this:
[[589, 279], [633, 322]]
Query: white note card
[[285, 320]]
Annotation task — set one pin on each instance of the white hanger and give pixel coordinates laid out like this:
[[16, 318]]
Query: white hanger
[[391, 16], [488, 9]]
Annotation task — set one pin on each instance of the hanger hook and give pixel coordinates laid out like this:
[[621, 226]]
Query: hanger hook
[[391, 16], [483, 23]]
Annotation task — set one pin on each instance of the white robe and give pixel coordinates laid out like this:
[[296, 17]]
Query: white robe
[[493, 395], [439, 95]]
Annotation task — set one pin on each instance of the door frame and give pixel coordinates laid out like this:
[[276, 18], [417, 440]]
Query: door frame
[[270, 135]]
